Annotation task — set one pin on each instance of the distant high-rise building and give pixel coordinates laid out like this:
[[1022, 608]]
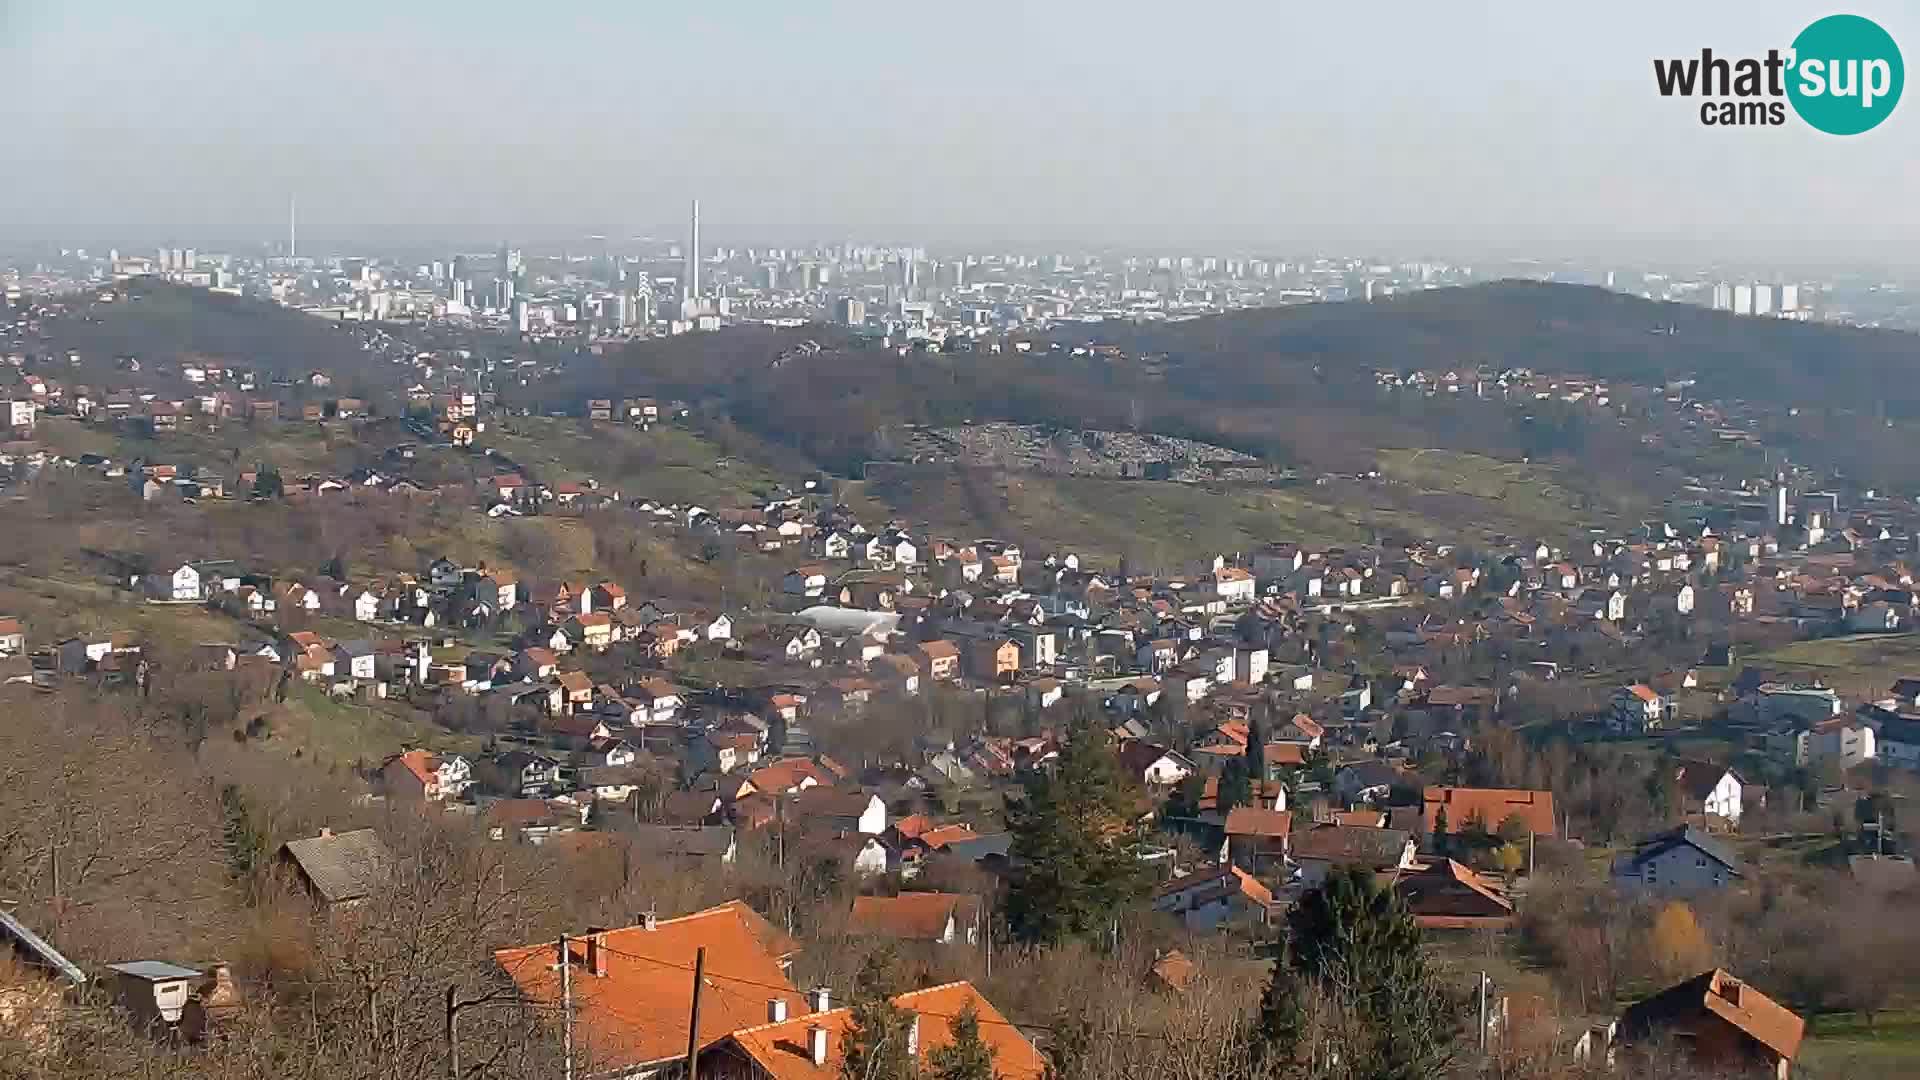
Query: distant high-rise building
[[520, 320], [1789, 298], [293, 238], [1763, 299], [1743, 299], [851, 311], [1723, 297]]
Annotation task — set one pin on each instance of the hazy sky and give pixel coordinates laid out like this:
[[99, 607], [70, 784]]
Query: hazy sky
[[1496, 123]]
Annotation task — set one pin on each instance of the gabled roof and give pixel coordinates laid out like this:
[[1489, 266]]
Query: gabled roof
[[1686, 836], [1351, 844], [915, 916], [1718, 994], [636, 1013], [781, 1051], [340, 866], [1492, 806], [1254, 821]]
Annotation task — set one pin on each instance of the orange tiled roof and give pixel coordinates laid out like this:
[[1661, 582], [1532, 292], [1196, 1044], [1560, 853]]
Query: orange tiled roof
[[418, 762], [1492, 806], [636, 1013], [914, 916], [1253, 821], [781, 1051]]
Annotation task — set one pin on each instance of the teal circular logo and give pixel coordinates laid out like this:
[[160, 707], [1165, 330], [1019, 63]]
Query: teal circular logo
[[1847, 75]]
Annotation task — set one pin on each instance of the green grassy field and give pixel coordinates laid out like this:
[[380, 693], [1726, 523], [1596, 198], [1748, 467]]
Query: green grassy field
[[1844, 1046], [1512, 496], [1151, 523], [1865, 664], [667, 464], [338, 732]]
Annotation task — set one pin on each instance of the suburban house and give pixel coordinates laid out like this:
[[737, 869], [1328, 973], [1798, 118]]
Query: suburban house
[[841, 811], [1681, 860], [940, 918], [423, 776], [1706, 788], [13, 637], [808, 581], [1445, 895], [1321, 849], [813, 1046], [1640, 708], [1257, 838], [938, 660], [632, 994], [1721, 1021], [1463, 809], [1155, 765], [1205, 898]]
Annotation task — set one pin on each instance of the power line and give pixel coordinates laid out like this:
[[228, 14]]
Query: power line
[[712, 975]]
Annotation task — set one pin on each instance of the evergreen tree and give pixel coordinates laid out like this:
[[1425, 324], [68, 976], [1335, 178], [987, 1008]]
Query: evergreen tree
[[1185, 799], [1256, 746], [877, 1042], [1441, 829], [1353, 952], [1236, 788], [968, 1056], [1074, 847]]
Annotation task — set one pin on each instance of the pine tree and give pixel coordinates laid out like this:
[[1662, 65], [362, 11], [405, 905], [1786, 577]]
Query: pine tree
[[877, 1042], [1354, 951], [1441, 829], [1074, 848], [1256, 747], [968, 1056], [1235, 789]]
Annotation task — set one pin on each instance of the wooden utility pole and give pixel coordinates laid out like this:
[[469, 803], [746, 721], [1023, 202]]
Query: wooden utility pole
[[566, 1001], [453, 1046], [693, 1021]]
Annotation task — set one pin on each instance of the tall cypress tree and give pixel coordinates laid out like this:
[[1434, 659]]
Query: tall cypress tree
[[1074, 849], [1256, 745]]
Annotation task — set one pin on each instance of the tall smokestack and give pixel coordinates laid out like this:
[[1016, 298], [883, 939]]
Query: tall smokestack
[[693, 253], [292, 227]]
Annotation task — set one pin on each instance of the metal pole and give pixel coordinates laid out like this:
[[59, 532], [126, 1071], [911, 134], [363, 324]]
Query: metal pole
[[693, 1021], [566, 999], [1483, 1012]]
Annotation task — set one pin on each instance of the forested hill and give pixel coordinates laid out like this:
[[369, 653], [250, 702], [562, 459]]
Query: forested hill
[[1546, 327], [159, 322], [1295, 384]]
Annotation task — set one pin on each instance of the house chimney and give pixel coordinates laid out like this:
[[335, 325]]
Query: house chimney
[[822, 999], [650, 920], [325, 833], [597, 953], [817, 1045], [776, 1010]]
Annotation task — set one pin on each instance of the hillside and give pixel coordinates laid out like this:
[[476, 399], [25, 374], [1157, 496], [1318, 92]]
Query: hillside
[[1293, 385], [163, 324], [1546, 327]]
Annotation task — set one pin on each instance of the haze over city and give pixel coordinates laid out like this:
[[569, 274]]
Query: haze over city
[[1465, 129]]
